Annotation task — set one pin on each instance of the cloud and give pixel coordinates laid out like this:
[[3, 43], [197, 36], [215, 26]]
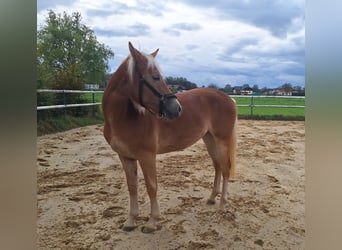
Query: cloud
[[191, 46], [154, 8], [172, 32], [135, 30], [236, 47], [273, 15], [120, 10], [47, 4], [177, 28], [186, 26], [224, 41]]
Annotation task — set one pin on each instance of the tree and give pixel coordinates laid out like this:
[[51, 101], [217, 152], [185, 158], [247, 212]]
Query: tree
[[181, 81], [245, 86], [298, 91], [255, 88], [213, 86], [264, 90], [228, 88], [287, 87], [68, 53]]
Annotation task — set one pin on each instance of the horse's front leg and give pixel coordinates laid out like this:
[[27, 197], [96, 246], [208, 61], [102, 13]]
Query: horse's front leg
[[148, 166], [130, 167]]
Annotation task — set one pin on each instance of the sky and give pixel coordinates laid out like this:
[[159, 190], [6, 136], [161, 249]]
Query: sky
[[218, 42]]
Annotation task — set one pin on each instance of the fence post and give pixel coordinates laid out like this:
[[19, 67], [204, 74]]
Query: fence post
[[64, 102], [252, 105], [93, 94]]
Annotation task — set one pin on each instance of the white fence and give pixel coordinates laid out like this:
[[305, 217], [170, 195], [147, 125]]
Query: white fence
[[269, 106], [65, 105], [93, 103], [252, 105]]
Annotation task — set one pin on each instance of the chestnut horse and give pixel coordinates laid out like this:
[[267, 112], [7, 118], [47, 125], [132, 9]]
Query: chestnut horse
[[143, 118]]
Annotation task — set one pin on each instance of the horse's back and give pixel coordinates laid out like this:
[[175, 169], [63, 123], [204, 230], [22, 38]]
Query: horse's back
[[208, 102], [203, 110], [215, 107]]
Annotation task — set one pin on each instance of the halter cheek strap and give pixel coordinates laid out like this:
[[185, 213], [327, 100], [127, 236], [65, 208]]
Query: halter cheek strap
[[143, 81]]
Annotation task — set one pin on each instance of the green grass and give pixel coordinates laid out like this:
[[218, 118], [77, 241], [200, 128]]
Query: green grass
[[258, 112], [59, 124], [47, 124], [273, 113], [89, 97], [271, 101], [56, 121]]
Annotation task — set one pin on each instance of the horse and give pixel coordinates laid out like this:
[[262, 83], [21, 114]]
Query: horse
[[143, 118]]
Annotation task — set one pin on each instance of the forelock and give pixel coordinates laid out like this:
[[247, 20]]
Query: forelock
[[151, 63]]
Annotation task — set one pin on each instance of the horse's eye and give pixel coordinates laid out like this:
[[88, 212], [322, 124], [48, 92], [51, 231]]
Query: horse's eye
[[156, 77]]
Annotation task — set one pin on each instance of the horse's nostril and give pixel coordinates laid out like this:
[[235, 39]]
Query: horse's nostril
[[179, 109]]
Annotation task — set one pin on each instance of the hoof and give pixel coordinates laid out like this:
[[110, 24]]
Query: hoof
[[148, 230], [211, 202], [129, 228]]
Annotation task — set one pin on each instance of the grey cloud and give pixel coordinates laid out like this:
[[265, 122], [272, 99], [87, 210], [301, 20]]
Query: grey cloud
[[250, 65], [237, 47], [177, 28], [154, 8], [118, 9], [186, 26], [47, 4], [101, 13], [275, 16], [115, 8], [191, 46], [296, 71], [294, 53], [135, 30], [172, 32], [236, 72]]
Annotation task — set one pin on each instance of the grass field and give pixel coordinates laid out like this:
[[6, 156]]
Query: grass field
[[271, 112], [89, 96], [258, 112], [61, 123]]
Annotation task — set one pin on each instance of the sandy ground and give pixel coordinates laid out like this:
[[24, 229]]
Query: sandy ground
[[83, 198]]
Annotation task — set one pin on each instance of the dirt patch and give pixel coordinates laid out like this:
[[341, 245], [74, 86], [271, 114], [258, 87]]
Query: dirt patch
[[83, 198]]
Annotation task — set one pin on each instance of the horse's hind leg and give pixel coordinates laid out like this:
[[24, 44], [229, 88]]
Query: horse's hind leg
[[218, 153], [130, 167], [217, 181], [225, 175]]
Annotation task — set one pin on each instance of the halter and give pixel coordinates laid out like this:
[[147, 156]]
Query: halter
[[162, 97]]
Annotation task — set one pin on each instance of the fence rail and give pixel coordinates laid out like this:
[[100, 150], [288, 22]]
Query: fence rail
[[267, 96], [68, 91], [67, 105], [252, 105], [93, 103]]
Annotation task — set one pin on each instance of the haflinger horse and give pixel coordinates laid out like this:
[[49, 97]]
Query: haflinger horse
[[143, 118]]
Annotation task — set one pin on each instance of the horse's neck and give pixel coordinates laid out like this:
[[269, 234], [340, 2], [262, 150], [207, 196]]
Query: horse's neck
[[117, 82], [116, 97]]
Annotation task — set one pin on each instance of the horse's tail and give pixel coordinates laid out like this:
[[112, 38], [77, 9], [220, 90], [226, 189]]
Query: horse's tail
[[232, 151]]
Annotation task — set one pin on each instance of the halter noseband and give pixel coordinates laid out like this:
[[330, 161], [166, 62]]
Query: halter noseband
[[162, 97]]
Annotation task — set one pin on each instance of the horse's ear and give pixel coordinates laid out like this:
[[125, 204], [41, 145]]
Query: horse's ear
[[131, 48], [134, 52], [154, 54]]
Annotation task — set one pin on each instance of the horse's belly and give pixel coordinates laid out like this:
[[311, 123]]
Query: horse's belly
[[174, 147], [177, 141]]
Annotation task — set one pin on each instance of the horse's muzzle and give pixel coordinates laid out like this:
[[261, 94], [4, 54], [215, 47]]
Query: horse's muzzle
[[170, 108]]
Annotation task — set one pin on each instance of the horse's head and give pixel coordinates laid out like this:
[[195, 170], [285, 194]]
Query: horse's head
[[149, 88]]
